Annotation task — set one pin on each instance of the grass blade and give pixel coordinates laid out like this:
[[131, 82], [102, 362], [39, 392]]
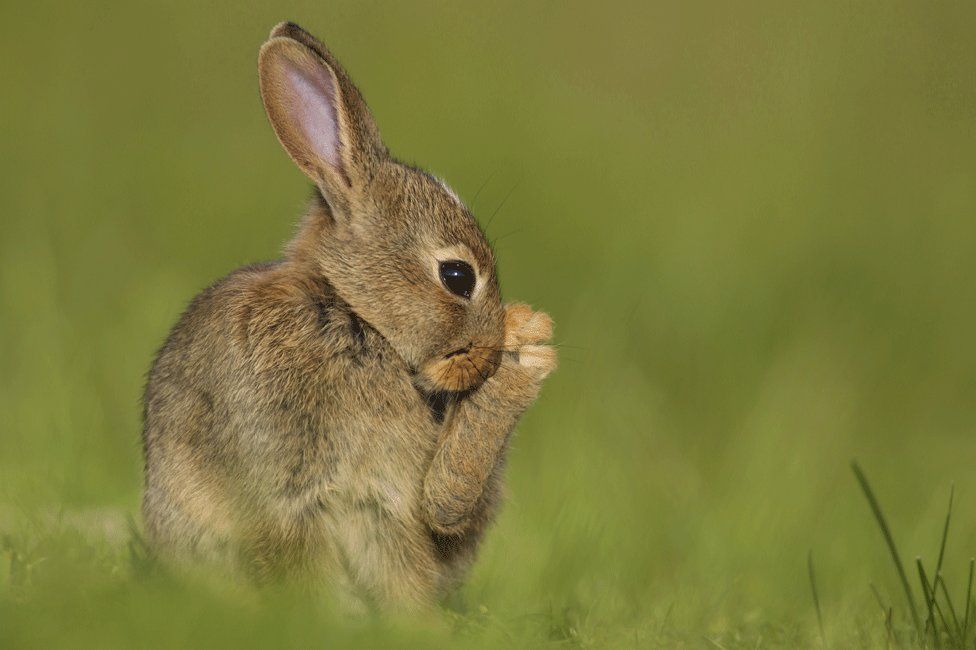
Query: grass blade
[[883, 524], [945, 536], [969, 598], [929, 600], [956, 628], [816, 598], [933, 606], [933, 589]]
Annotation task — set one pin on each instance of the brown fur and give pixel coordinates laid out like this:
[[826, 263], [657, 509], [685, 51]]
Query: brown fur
[[338, 416]]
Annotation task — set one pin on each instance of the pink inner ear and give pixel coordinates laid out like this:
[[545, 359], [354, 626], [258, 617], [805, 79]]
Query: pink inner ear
[[313, 110]]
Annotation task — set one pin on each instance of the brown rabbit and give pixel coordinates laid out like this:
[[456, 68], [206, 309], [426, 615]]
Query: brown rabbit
[[342, 415]]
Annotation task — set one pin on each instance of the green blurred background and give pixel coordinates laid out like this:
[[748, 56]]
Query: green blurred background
[[754, 224]]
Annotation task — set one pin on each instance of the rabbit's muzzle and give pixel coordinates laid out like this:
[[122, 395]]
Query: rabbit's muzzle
[[462, 369]]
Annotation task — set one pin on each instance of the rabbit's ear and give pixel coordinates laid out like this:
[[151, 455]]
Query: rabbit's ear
[[318, 114]]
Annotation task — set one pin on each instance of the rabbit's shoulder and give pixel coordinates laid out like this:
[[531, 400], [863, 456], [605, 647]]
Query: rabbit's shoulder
[[277, 308]]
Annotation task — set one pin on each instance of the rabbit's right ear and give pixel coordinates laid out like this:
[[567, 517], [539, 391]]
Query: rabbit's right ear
[[318, 115]]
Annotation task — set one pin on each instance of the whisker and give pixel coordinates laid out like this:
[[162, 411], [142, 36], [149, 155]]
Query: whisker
[[495, 349], [483, 376], [483, 185], [442, 376], [502, 204], [571, 347], [513, 348], [454, 379], [495, 241]]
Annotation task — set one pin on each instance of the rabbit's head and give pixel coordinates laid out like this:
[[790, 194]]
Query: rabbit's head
[[396, 243]]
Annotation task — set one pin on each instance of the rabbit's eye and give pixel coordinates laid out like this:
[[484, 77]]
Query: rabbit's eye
[[458, 277]]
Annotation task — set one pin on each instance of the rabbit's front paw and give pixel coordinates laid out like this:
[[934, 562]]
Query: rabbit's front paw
[[523, 326], [526, 334], [540, 359]]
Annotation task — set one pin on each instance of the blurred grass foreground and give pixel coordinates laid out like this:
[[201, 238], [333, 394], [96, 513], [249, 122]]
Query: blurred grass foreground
[[754, 224]]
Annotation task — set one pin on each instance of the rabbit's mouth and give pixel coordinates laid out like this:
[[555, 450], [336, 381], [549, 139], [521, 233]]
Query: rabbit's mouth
[[462, 369], [459, 351]]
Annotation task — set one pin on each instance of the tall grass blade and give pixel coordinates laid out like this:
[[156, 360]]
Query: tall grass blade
[[929, 600], [933, 591], [883, 524], [945, 536], [956, 627], [816, 598], [942, 618], [969, 598]]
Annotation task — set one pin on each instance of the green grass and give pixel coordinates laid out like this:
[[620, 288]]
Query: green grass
[[753, 225], [942, 626]]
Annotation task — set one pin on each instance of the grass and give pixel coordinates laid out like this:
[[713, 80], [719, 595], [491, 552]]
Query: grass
[[942, 626], [55, 572], [752, 224]]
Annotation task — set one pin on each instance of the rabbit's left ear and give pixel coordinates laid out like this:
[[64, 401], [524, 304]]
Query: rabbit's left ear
[[319, 116]]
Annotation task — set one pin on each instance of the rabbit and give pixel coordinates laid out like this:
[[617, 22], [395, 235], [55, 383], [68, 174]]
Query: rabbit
[[341, 416]]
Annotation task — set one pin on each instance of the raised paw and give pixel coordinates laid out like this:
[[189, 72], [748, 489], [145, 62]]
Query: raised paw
[[526, 332], [541, 359], [523, 326]]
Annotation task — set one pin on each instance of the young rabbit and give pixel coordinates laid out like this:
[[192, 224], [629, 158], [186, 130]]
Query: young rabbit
[[342, 415]]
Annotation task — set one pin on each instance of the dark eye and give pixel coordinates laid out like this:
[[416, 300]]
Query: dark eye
[[458, 277]]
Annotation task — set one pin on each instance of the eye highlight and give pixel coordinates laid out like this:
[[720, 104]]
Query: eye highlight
[[458, 277]]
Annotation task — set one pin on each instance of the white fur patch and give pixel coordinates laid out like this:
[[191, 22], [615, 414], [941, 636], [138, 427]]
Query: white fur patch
[[448, 189]]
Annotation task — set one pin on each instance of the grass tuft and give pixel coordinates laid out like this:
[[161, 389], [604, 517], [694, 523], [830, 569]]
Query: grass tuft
[[942, 626]]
